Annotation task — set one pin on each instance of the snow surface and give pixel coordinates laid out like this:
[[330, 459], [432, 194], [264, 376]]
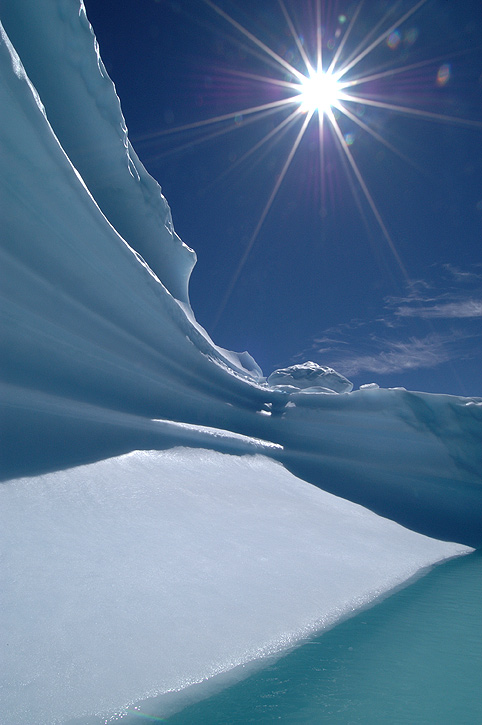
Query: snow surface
[[101, 357], [143, 574]]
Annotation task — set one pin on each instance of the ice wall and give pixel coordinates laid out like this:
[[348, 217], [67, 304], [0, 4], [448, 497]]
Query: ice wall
[[84, 315], [61, 56], [414, 457], [96, 344]]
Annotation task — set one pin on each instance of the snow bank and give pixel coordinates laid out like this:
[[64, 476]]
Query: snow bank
[[141, 575]]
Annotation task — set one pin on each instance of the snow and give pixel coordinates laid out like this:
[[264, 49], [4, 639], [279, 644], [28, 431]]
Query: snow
[[143, 574], [157, 490], [310, 375]]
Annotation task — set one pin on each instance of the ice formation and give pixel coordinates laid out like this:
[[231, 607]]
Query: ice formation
[[146, 573], [310, 375], [105, 548], [64, 65]]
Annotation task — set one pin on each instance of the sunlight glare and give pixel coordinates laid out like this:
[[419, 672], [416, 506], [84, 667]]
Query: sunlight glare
[[319, 92]]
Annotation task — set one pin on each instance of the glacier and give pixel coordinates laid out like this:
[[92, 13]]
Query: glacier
[[169, 514]]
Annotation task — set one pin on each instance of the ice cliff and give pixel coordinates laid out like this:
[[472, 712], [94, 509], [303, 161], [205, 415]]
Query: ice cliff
[[107, 549]]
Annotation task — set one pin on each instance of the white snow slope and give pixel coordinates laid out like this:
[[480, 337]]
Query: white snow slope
[[126, 575], [143, 574]]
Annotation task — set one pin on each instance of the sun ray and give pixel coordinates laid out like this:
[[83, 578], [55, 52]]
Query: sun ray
[[348, 66], [407, 110], [261, 220], [321, 147], [296, 37], [391, 71], [319, 39], [357, 193], [205, 138], [366, 192], [374, 134], [263, 79], [346, 35], [372, 33], [219, 119], [284, 63], [278, 130]]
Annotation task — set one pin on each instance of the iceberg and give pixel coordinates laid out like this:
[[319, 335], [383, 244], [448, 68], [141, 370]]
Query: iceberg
[[168, 513]]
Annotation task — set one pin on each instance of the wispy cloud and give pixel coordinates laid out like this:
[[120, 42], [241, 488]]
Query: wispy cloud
[[390, 356], [453, 293], [464, 275], [448, 284], [394, 342], [449, 310]]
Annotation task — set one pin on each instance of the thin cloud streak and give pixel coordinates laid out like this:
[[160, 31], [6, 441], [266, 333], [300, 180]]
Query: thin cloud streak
[[451, 310], [390, 344], [397, 357]]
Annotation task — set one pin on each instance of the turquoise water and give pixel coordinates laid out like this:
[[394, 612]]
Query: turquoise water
[[414, 658]]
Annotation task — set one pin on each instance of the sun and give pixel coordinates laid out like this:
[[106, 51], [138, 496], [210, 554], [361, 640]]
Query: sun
[[320, 91], [329, 83]]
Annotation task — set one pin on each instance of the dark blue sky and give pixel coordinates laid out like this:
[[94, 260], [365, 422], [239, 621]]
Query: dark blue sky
[[321, 281]]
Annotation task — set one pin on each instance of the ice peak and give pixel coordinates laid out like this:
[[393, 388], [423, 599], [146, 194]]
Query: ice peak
[[308, 375]]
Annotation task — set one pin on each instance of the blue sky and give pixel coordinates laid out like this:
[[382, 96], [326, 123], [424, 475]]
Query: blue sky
[[385, 286]]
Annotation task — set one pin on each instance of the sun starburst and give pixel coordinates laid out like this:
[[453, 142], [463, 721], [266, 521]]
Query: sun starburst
[[331, 84]]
